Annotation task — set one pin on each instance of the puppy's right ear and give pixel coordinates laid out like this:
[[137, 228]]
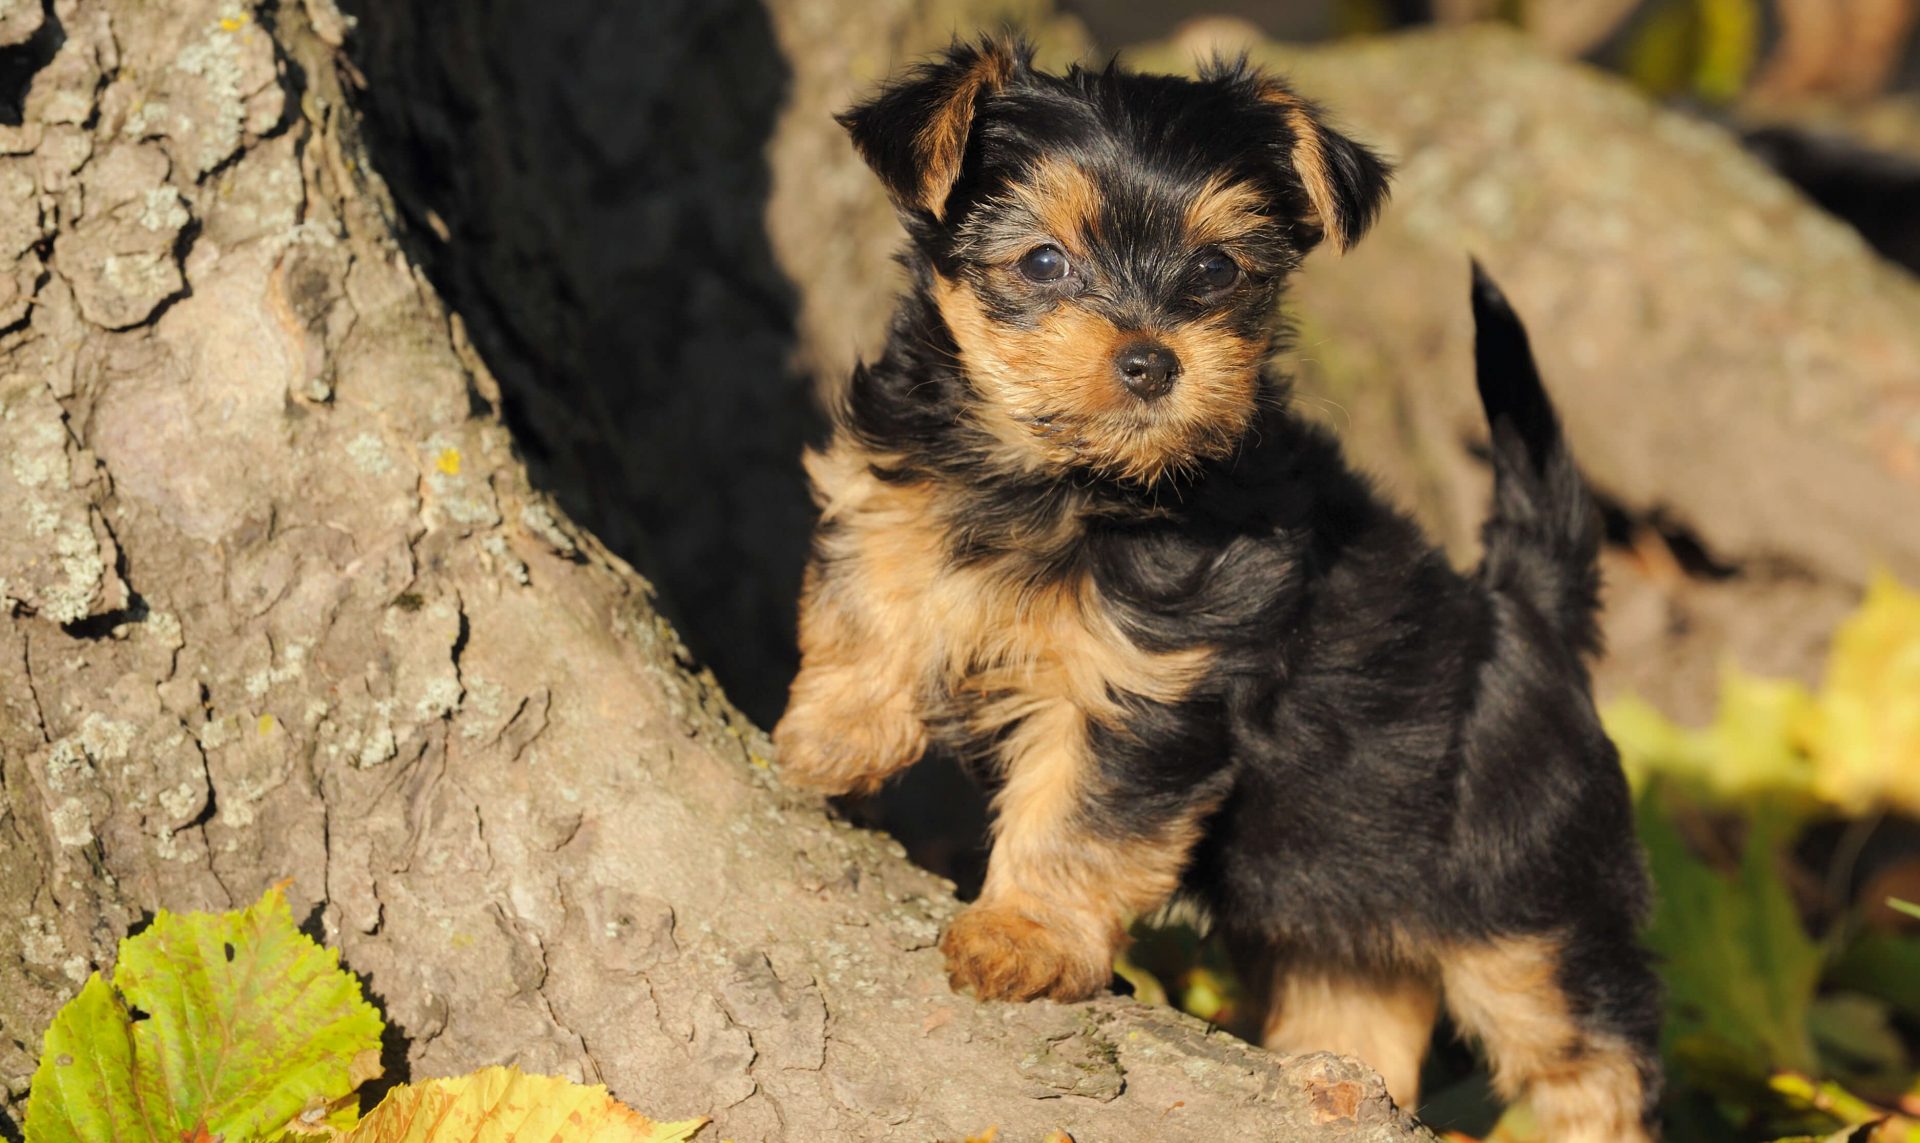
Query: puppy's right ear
[[914, 133], [1343, 183]]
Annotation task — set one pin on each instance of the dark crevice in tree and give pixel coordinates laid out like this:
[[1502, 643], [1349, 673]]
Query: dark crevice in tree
[[394, 1045], [1874, 192], [1625, 528], [208, 811], [101, 626], [20, 62], [599, 174]]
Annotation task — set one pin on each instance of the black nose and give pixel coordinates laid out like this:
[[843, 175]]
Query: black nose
[[1146, 369]]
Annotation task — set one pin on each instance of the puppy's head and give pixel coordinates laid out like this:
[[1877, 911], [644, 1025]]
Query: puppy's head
[[1106, 248]]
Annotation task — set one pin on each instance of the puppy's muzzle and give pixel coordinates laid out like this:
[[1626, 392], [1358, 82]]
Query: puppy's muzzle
[[1147, 369]]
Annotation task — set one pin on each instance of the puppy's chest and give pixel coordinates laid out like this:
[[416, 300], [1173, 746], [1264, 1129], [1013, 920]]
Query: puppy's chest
[[997, 637]]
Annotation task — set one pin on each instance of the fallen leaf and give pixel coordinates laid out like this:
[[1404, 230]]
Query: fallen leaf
[[506, 1103], [248, 1021], [1865, 733]]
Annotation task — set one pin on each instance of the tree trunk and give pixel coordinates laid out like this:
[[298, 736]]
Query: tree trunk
[[285, 604]]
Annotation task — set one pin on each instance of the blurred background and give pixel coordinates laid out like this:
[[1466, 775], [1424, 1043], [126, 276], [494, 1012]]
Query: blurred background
[[1708, 211]]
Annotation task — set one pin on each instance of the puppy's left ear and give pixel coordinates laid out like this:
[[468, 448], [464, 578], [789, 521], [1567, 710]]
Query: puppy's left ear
[[914, 132], [1344, 182]]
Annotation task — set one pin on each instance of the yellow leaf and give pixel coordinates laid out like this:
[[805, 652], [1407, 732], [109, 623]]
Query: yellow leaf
[[1853, 746], [1752, 751], [1147, 988], [1755, 734], [1207, 993], [1517, 1125], [495, 1105], [1651, 744], [1729, 48], [1865, 734]]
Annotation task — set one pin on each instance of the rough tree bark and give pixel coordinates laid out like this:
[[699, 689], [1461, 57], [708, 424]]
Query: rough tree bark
[[285, 602], [282, 603]]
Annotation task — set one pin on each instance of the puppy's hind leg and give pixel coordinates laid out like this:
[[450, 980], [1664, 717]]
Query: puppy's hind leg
[[1569, 1025], [1383, 1018]]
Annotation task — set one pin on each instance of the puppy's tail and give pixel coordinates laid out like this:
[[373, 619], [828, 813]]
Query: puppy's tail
[[1542, 540]]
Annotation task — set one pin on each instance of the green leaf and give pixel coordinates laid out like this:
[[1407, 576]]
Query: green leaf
[[83, 1089], [248, 1023], [1858, 1045], [1757, 737], [1147, 988], [1660, 52], [1864, 1121], [1208, 993], [1741, 972], [1652, 746], [1885, 965], [506, 1103], [1862, 1133]]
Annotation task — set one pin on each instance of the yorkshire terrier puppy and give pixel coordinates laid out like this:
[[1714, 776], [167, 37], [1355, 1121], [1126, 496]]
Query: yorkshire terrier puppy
[[1070, 531]]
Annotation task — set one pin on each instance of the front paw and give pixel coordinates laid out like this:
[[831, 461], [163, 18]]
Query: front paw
[[846, 756], [998, 953]]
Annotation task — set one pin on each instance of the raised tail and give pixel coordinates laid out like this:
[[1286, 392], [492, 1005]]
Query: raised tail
[[1542, 539]]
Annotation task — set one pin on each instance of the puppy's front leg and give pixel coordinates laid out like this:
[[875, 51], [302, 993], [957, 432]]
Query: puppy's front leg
[[851, 720], [1066, 873]]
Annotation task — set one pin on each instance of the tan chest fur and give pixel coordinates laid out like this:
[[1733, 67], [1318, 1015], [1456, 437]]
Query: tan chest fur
[[993, 641]]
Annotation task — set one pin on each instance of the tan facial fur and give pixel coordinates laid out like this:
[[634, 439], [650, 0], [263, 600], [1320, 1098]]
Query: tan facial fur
[[1051, 396], [1062, 197], [1224, 211]]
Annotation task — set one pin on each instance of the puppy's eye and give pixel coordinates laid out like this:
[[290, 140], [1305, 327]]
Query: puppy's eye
[[1043, 264], [1216, 270]]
